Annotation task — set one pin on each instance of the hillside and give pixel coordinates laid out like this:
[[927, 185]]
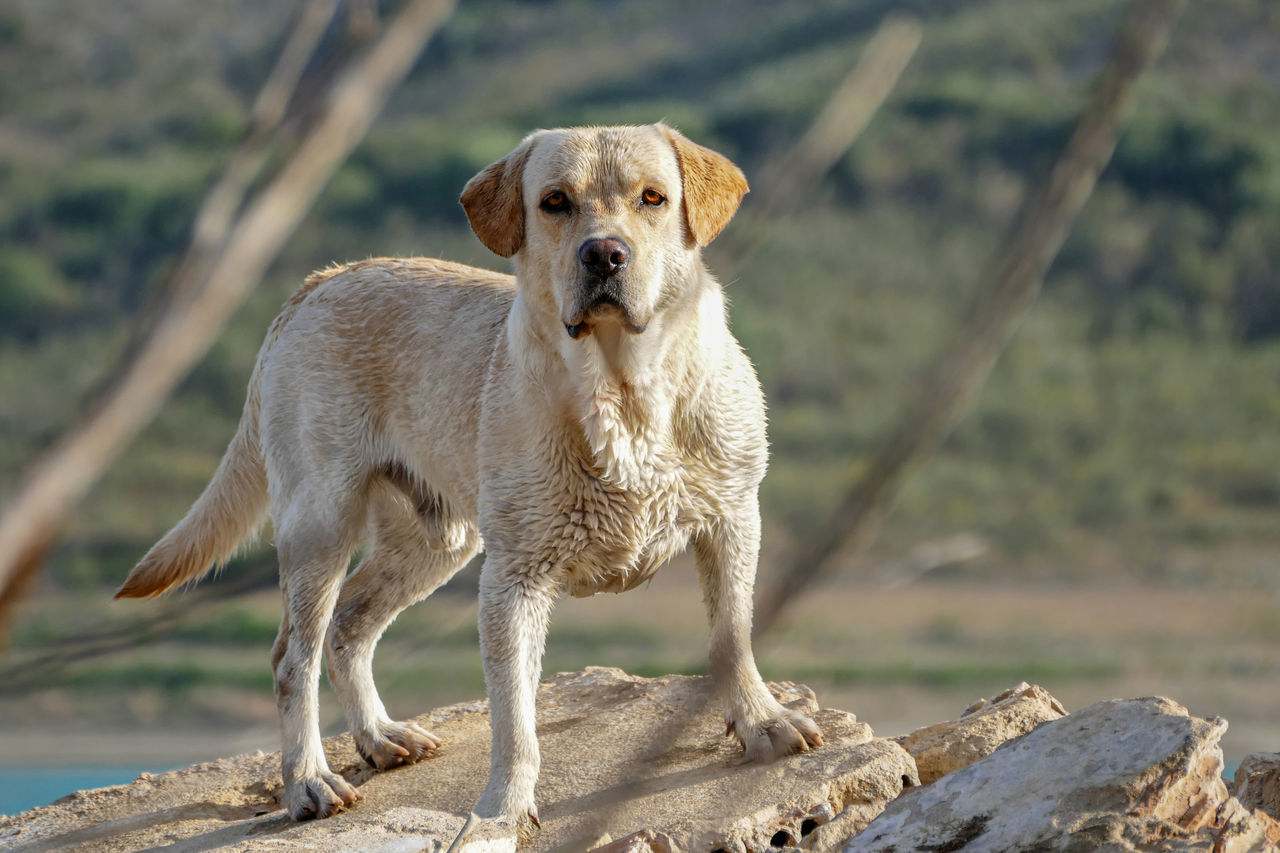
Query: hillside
[[1126, 438], [1122, 427]]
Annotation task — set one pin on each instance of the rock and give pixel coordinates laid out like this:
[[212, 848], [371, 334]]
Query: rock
[[946, 747], [1257, 782], [627, 756], [645, 841], [697, 795], [635, 765], [1244, 830], [1125, 775], [876, 774]]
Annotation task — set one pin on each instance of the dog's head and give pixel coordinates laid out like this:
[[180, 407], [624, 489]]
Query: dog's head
[[605, 224]]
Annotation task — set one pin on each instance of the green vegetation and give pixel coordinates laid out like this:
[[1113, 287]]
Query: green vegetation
[[1131, 419]]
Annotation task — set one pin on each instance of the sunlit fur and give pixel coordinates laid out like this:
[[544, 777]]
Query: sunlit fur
[[430, 409]]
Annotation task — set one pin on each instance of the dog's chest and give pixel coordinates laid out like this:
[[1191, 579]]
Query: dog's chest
[[620, 537]]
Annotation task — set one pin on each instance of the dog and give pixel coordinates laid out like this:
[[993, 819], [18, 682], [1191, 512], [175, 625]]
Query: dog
[[583, 422]]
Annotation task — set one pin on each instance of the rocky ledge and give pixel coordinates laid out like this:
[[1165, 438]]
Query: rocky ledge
[[637, 765]]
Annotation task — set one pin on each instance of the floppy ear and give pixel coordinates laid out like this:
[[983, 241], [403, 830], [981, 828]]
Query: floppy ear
[[495, 205], [713, 187]]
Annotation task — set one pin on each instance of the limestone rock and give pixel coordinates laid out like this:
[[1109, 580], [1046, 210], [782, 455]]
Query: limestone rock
[[634, 765], [946, 747], [645, 841], [1257, 782], [1125, 775], [1244, 830], [621, 755]]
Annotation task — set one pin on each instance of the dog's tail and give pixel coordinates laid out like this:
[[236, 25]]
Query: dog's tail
[[234, 504], [231, 510]]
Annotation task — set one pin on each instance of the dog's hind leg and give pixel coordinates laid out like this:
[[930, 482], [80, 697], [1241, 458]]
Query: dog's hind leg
[[400, 568], [314, 541]]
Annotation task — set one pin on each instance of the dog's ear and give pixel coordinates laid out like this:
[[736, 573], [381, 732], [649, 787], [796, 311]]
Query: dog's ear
[[495, 205], [713, 187]]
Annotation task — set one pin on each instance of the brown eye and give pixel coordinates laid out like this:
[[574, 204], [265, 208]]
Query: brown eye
[[556, 202], [653, 198]]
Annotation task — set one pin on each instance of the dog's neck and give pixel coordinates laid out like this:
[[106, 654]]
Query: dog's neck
[[624, 387], [624, 404]]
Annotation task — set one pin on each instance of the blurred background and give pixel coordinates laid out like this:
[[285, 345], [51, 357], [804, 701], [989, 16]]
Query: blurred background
[[1103, 520]]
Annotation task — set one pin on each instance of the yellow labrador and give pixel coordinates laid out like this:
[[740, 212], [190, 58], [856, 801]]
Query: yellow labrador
[[583, 422]]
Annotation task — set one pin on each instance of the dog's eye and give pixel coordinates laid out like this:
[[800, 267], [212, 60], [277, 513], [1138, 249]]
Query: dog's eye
[[556, 202], [653, 198]]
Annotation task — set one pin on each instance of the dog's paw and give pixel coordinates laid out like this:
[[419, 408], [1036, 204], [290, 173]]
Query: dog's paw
[[782, 734], [478, 830], [527, 826], [393, 744], [502, 805], [322, 795]]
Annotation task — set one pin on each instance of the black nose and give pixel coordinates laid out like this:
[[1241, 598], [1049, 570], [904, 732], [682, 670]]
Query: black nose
[[604, 257]]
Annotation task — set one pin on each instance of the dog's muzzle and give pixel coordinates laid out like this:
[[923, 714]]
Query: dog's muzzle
[[602, 290]]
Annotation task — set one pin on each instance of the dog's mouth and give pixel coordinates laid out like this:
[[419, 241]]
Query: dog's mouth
[[603, 308]]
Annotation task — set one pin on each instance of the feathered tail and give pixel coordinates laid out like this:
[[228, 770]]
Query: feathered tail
[[234, 504], [231, 510]]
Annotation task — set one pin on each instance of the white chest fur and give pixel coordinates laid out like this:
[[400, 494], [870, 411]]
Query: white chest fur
[[626, 408], [627, 424], [622, 537]]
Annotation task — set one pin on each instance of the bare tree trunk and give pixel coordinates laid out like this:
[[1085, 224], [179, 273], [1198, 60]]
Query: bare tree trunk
[[223, 201], [57, 482], [1015, 272]]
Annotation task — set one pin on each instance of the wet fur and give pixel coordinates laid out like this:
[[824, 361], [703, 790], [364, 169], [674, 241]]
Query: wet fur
[[428, 408]]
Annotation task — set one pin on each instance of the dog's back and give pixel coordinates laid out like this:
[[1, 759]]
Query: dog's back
[[419, 325]]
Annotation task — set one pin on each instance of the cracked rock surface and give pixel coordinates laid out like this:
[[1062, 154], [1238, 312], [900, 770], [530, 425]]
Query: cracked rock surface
[[633, 763], [947, 747], [1257, 782], [639, 765], [1125, 775]]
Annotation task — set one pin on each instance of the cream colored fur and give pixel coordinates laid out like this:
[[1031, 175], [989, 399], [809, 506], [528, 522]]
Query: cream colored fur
[[429, 408]]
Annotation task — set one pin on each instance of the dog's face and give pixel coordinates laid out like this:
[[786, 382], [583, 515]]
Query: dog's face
[[604, 223]]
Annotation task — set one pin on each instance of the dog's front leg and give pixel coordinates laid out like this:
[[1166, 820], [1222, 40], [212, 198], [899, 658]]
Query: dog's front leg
[[515, 607], [727, 553]]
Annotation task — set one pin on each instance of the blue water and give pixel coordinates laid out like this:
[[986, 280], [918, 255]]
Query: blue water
[[23, 788]]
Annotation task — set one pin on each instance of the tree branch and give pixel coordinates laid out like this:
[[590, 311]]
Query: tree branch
[[60, 479], [1015, 272]]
